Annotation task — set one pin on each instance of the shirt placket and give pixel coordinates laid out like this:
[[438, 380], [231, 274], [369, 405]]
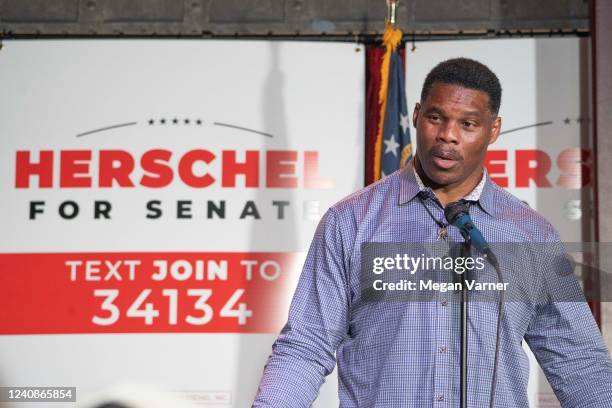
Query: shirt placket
[[442, 395]]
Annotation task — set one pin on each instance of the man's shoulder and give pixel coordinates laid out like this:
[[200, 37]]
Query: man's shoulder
[[364, 205], [370, 196], [521, 215]]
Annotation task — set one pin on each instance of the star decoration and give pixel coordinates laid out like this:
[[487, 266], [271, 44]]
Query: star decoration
[[567, 121], [391, 146], [404, 122], [174, 121]]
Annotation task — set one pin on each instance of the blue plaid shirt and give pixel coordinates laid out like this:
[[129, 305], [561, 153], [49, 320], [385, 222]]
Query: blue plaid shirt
[[406, 354]]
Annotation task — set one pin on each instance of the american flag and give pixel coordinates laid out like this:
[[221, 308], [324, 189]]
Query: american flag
[[396, 148]]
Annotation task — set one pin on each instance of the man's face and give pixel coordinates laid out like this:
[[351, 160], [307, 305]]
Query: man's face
[[454, 128]]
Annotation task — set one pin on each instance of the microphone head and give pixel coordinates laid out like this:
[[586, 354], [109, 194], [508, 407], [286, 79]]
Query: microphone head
[[456, 209]]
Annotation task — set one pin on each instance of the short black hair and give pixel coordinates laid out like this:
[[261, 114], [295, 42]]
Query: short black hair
[[467, 73]]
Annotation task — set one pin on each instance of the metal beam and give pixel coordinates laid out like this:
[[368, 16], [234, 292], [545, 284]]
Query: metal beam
[[330, 19], [602, 128]]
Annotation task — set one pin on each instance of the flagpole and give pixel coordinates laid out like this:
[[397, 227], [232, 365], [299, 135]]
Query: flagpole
[[392, 11]]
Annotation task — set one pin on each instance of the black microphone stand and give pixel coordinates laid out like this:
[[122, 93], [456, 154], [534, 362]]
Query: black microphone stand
[[456, 214], [463, 379]]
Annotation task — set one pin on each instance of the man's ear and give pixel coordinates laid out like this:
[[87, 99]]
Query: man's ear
[[495, 129], [415, 113]]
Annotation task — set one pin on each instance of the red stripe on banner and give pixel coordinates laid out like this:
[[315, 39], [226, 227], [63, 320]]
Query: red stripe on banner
[[220, 292]]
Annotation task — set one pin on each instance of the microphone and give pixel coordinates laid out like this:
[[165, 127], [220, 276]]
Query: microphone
[[457, 214]]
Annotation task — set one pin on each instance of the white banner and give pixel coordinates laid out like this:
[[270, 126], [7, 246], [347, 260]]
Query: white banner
[[156, 199]]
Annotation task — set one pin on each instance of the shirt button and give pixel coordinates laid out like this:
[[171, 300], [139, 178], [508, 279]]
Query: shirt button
[[442, 349], [444, 303], [440, 398]]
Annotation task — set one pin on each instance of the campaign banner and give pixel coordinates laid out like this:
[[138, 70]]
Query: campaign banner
[[158, 198]]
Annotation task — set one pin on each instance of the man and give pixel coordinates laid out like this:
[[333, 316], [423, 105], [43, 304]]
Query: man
[[406, 354]]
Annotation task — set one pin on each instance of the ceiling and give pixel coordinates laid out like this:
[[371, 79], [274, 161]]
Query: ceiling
[[321, 19]]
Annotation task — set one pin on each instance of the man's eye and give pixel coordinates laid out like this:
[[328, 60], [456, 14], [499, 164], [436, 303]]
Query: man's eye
[[469, 124], [434, 118]]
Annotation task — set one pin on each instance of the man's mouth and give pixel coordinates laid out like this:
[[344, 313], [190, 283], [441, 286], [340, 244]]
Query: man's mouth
[[445, 160]]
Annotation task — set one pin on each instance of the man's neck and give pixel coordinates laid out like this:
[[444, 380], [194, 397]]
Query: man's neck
[[450, 192]]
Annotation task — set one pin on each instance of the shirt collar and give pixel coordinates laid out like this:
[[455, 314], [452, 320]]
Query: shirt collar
[[411, 185]]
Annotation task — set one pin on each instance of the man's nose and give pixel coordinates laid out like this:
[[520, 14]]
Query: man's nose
[[448, 133]]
